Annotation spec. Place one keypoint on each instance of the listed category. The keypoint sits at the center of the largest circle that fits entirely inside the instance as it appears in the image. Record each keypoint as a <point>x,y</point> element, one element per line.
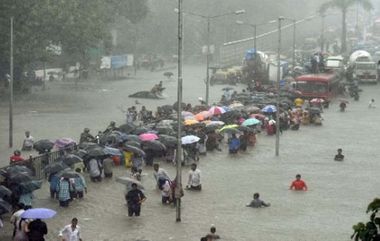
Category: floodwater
<point>338,191</point>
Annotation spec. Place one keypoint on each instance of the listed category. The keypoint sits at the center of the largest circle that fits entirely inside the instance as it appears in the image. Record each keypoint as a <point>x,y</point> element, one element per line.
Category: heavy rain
<point>212,108</point>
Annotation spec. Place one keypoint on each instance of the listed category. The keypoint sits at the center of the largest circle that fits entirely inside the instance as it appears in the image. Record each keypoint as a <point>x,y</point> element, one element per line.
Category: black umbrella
<point>81,153</point>
<point>127,128</point>
<point>211,128</point>
<point>166,130</point>
<point>30,186</point>
<point>175,105</point>
<point>134,149</point>
<point>133,143</point>
<point>19,177</point>
<point>5,192</point>
<point>245,128</point>
<point>133,138</point>
<point>43,145</point>
<point>168,141</point>
<point>87,145</point>
<point>140,130</point>
<point>153,145</point>
<point>71,159</point>
<point>167,108</point>
<point>18,169</point>
<point>230,116</point>
<point>69,174</point>
<point>55,167</point>
<point>96,152</point>
<point>5,207</point>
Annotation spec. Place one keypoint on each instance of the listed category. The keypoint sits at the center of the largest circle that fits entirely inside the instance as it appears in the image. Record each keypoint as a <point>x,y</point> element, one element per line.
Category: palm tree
<point>344,5</point>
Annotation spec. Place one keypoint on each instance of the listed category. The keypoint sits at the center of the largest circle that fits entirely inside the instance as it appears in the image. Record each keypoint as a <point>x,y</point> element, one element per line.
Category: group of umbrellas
<point>18,180</point>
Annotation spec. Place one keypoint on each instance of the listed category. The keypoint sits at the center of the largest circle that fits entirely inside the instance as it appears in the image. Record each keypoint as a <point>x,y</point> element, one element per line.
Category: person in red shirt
<point>298,184</point>
<point>16,157</point>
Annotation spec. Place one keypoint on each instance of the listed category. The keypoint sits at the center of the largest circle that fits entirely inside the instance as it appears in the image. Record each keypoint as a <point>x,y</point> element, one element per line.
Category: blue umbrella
<point>112,151</point>
<point>251,122</point>
<point>269,109</point>
<point>38,213</point>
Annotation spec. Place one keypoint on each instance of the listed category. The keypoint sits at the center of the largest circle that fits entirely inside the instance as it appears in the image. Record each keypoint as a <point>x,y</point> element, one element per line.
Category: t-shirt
<point>29,141</point>
<point>194,178</point>
<point>298,185</point>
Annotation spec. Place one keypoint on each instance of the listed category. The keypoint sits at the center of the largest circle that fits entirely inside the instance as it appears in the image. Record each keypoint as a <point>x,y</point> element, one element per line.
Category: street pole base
<point>178,220</point>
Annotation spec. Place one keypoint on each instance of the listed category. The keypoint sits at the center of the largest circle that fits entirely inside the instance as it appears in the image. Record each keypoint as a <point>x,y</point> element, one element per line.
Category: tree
<point>343,6</point>
<point>368,231</point>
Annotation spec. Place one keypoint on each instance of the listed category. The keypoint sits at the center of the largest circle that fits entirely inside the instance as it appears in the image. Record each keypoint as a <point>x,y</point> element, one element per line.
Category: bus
<point>324,86</point>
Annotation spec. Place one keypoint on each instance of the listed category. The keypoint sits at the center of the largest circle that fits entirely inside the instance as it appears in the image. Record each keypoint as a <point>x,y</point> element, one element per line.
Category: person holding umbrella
<point>134,198</point>
<point>37,229</point>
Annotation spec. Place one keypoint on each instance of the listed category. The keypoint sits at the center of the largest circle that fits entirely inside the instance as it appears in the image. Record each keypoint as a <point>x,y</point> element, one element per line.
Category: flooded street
<point>338,191</point>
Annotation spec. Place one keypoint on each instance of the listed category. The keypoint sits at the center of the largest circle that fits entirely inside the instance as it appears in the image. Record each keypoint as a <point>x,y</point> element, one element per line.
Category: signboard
<point>116,62</point>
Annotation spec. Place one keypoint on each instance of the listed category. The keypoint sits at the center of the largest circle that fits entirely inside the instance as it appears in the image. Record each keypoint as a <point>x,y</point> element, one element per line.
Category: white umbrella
<point>189,139</point>
<point>128,180</point>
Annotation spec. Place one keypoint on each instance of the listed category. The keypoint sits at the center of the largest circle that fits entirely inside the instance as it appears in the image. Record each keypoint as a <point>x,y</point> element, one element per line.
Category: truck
<point>362,68</point>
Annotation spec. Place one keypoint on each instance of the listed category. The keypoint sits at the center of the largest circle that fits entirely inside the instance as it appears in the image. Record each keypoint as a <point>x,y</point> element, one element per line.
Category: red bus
<point>323,86</point>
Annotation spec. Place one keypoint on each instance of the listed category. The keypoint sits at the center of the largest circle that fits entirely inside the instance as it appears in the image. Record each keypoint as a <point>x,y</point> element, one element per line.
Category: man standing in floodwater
<point>298,184</point>
<point>134,198</point>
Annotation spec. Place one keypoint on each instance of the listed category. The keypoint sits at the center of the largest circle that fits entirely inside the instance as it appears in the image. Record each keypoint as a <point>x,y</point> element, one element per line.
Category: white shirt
<point>69,234</point>
<point>165,192</point>
<point>29,141</point>
<point>161,174</point>
<point>194,178</point>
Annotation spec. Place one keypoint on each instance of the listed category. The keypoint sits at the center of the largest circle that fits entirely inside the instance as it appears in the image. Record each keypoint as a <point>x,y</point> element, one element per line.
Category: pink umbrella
<point>216,110</point>
<point>148,137</point>
<point>64,142</point>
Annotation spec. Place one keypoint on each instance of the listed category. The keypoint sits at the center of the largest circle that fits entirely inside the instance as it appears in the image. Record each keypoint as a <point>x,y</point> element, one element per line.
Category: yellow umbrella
<point>190,122</point>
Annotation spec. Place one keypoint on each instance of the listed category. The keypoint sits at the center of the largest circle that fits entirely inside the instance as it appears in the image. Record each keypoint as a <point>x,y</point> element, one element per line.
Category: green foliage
<point>75,25</point>
<point>368,231</point>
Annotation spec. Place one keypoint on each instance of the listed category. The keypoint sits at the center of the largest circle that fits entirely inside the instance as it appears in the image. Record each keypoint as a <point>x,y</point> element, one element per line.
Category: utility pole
<point>294,44</point>
<point>179,117</point>
<point>323,33</point>
<point>11,90</point>
<point>278,87</point>
<point>208,62</point>
<point>254,37</point>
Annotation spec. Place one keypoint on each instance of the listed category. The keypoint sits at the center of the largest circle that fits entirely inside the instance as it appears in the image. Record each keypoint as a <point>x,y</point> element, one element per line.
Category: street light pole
<point>11,90</point>
<point>208,62</point>
<point>179,116</point>
<point>294,44</point>
<point>254,37</point>
<point>323,33</point>
<point>278,87</point>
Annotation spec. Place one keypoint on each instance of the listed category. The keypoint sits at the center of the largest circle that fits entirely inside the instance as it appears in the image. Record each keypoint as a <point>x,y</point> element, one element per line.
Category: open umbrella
<point>43,145</point>
<point>128,180</point>
<point>166,130</point>
<point>216,110</point>
<point>18,169</point>
<point>229,129</point>
<point>140,130</point>
<point>96,152</point>
<point>153,145</point>
<point>68,173</point>
<point>133,138</point>
<point>252,108</point>
<point>112,151</point>
<point>269,109</point>
<point>185,114</point>
<point>251,122</point>
<point>5,207</point>
<point>127,128</point>
<point>214,123</point>
<point>19,177</point>
<point>5,192</point>
<point>317,101</point>
<point>168,141</point>
<point>258,116</point>
<point>230,116</point>
<point>30,186</point>
<point>55,167</point>
<point>190,122</point>
<point>38,213</point>
<point>189,139</point>
<point>87,145</point>
<point>133,143</point>
<point>236,106</point>
<point>246,129</point>
<point>134,149</point>
<point>148,137</point>
<point>71,159</point>
<point>63,143</point>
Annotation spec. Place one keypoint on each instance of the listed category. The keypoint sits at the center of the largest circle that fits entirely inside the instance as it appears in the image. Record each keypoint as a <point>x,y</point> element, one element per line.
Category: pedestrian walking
<point>71,232</point>
<point>107,167</point>
<point>79,185</point>
<point>371,104</point>
<point>134,198</point>
<point>160,173</point>
<point>212,235</point>
<point>63,189</point>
